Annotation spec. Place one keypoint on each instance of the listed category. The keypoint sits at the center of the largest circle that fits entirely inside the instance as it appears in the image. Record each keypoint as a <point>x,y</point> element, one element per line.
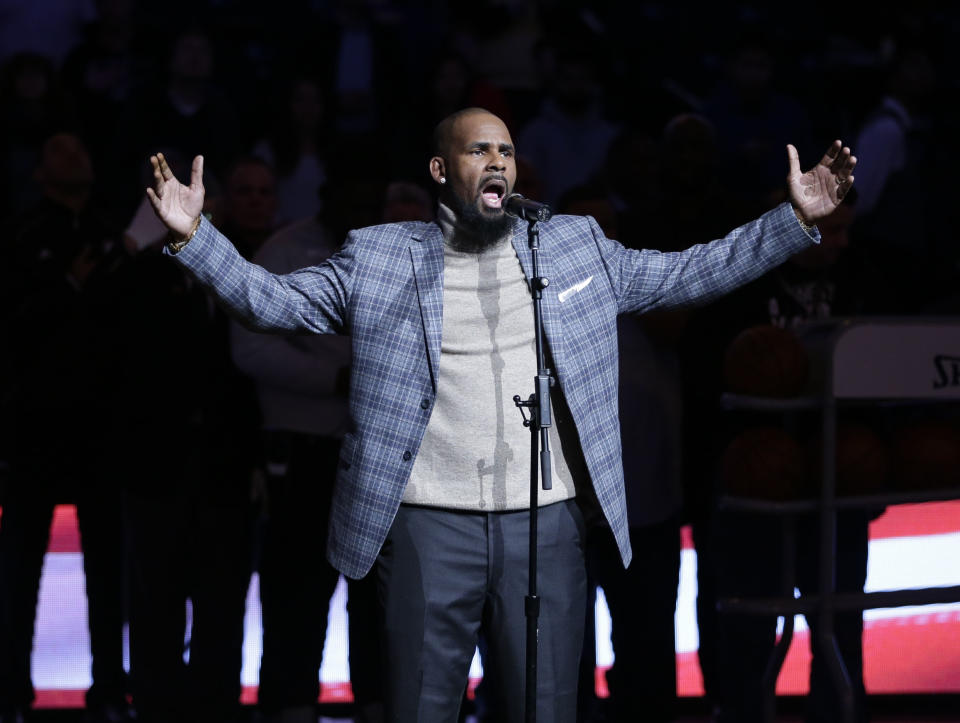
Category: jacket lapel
<point>551,308</point>
<point>426,252</point>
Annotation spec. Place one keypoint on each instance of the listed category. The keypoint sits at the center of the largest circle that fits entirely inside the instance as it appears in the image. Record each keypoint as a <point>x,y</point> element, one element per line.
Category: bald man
<point>433,483</point>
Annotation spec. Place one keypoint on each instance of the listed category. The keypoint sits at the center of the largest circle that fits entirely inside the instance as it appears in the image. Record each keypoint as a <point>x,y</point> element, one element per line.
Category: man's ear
<point>437,169</point>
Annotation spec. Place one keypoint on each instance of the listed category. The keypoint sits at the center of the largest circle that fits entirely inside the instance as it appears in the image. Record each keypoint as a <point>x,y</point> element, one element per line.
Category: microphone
<point>520,207</point>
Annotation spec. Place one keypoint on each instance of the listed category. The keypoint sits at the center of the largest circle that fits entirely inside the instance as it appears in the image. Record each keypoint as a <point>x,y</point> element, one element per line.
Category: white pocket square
<point>579,286</point>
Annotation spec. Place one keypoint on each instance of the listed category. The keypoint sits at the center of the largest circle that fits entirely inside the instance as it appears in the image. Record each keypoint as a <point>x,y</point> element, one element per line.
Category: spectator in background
<point>56,424</point>
<point>67,218</point>
<point>452,84</point>
<point>295,148</point>
<point>302,383</point>
<point>406,201</point>
<point>187,501</point>
<point>642,598</point>
<point>693,202</point>
<point>570,117</point>
<point>361,60</point>
<point>902,223</point>
<point>890,129</point>
<point>357,198</point>
<point>632,174</point>
<point>187,111</point>
<point>528,181</point>
<point>504,52</point>
<point>102,74</point>
<point>740,554</point>
<point>248,205</point>
<point>682,200</point>
<point>754,119</point>
<point>32,108</point>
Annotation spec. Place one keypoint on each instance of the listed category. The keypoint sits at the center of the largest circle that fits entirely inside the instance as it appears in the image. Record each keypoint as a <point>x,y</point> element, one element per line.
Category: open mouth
<point>492,192</point>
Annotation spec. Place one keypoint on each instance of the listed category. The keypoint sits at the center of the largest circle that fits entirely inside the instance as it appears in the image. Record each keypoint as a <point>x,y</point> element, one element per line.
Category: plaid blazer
<point>385,289</point>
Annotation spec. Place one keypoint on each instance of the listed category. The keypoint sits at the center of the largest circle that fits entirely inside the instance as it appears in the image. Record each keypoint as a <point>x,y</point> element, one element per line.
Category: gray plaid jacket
<point>385,289</point>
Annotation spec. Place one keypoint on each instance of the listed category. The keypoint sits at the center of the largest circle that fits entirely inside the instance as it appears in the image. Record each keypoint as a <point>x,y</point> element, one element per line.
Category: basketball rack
<point>872,361</point>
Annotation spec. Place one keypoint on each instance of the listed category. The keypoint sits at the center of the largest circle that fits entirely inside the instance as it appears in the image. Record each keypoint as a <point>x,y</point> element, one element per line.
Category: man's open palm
<point>178,206</point>
<point>816,193</point>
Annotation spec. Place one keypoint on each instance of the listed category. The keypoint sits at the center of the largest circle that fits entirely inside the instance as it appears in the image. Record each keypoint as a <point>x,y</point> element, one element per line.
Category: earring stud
<point>443,179</point>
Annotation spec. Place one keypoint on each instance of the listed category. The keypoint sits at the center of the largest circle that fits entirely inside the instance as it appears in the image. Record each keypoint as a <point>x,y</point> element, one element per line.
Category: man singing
<point>433,481</point>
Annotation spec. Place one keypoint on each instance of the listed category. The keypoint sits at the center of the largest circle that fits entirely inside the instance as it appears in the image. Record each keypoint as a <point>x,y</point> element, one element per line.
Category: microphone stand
<point>539,423</point>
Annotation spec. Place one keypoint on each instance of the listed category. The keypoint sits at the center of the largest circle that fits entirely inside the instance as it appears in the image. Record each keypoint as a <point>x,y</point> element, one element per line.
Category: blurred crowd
<point>198,452</point>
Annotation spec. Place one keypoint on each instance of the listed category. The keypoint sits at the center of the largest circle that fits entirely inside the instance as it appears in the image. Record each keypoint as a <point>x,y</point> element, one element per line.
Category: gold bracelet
<point>178,245</point>
<point>803,224</point>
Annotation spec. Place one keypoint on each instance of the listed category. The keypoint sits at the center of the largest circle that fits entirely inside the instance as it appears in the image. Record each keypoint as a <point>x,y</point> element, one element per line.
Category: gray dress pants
<point>445,575</point>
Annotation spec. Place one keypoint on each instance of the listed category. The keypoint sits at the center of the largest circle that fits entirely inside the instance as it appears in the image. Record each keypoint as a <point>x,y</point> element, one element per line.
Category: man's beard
<point>477,231</point>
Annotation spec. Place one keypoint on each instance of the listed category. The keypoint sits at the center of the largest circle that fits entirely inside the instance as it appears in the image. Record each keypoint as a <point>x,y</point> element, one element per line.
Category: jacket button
<point>407,456</point>
<point>424,404</point>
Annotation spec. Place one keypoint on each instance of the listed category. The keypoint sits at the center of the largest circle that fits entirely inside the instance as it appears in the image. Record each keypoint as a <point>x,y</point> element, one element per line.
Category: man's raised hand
<point>820,190</point>
<point>178,206</point>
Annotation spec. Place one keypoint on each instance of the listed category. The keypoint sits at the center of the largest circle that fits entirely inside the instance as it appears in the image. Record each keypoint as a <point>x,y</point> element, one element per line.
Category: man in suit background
<point>433,475</point>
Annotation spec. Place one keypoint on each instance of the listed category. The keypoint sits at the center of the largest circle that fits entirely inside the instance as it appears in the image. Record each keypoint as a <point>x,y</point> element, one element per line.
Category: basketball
<point>765,361</point>
<point>764,463</point>
<point>862,461</point>
<point>927,456</point>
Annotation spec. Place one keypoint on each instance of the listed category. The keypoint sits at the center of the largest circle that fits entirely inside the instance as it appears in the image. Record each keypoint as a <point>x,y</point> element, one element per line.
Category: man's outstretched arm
<point>647,280</point>
<point>312,299</point>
